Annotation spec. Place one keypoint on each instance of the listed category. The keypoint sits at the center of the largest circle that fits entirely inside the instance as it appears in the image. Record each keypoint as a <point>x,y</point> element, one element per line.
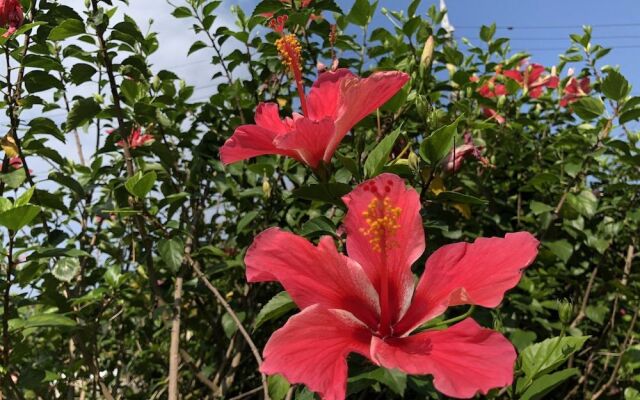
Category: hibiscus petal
<point>312,275</point>
<point>359,97</point>
<point>309,139</point>
<point>251,141</point>
<point>268,117</point>
<point>469,273</point>
<point>255,140</point>
<point>513,74</point>
<point>312,347</point>
<point>395,244</point>
<point>463,359</point>
<point>324,97</point>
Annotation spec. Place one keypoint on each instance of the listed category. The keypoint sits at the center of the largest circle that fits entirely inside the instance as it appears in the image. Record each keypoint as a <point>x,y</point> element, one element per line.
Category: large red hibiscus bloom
<point>336,102</point>
<point>368,303</point>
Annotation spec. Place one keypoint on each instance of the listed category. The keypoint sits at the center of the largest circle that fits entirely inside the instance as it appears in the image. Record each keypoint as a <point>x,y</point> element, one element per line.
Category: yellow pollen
<point>289,48</point>
<point>382,221</point>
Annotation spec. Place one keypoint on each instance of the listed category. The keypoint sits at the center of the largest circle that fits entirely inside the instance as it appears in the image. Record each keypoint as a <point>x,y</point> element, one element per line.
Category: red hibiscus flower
<point>531,79</point>
<point>136,138</point>
<point>368,303</point>
<point>454,159</point>
<point>11,16</point>
<point>490,89</point>
<point>336,102</point>
<point>574,90</point>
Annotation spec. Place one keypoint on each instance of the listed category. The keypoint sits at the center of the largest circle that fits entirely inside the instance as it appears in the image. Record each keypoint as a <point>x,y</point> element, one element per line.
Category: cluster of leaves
<point>104,256</point>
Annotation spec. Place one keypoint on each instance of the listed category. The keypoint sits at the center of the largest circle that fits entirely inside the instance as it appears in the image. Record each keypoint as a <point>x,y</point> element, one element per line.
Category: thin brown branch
<point>585,299</point>
<point>174,356</point>
<point>254,349</point>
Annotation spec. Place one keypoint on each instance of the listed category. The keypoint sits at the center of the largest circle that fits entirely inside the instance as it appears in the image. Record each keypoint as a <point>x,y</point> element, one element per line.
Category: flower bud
<point>266,186</point>
<point>427,53</point>
<point>414,162</point>
<point>565,311</point>
<point>11,16</point>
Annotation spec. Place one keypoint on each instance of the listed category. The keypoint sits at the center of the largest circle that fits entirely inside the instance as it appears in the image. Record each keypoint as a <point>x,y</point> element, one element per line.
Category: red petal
<point>312,347</point>
<point>268,117</point>
<point>310,140</point>
<point>534,72</point>
<point>324,96</point>
<point>359,97</point>
<point>398,247</point>
<point>469,273</point>
<point>312,275</point>
<point>463,359</point>
<point>513,74</point>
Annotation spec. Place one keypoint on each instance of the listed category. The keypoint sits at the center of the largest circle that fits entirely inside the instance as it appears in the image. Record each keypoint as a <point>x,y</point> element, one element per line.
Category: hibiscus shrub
<point>356,211</point>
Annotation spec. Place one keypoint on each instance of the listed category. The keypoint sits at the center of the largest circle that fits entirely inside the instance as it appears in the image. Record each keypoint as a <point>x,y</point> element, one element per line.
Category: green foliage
<point>99,246</point>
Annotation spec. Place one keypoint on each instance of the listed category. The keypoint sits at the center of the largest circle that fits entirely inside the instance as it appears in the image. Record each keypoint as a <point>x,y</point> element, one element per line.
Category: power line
<point>536,27</point>
<point>567,38</point>
<point>564,48</point>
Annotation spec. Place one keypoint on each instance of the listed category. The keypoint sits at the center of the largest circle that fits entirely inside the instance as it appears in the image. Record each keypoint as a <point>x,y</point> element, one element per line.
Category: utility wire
<point>537,27</point>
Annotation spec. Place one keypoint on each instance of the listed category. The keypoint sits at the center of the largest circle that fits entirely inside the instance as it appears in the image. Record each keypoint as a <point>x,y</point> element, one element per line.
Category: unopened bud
<point>414,162</point>
<point>155,82</point>
<point>427,53</point>
<point>266,186</point>
<point>98,98</point>
<point>565,311</point>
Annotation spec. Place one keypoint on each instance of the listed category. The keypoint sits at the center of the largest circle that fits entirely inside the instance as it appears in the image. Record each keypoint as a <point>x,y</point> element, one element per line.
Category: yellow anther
<point>382,223</point>
<point>289,48</point>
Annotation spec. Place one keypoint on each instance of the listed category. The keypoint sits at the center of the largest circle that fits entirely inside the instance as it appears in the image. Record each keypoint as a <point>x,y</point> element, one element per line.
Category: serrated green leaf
<point>615,86</point>
<point>82,111</point>
<point>278,386</point>
<point>545,356</point>
<point>140,185</point>
<point>172,252</point>
<point>588,108</point>
<point>66,268</point>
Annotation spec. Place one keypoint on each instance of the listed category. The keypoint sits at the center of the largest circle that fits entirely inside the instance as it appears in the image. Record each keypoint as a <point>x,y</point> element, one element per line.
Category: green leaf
<point>66,29</point>
<point>393,379</point>
<point>279,305</point>
<point>181,12</point>
<point>14,179</point>
<point>172,252</point>
<point>318,226</point>
<point>140,185</point>
<point>378,156</point>
<point>198,45</point>
<point>39,81</point>
<point>360,13</point>
<point>630,115</point>
<point>229,326</point>
<point>487,32</point>
<point>326,192</point>
<point>585,203</point>
<point>66,268</point>
<point>546,383</point>
<point>456,197</point>
<point>82,111</point>
<point>588,108</point>
<point>16,218</point>
<point>615,86</point>
<point>278,386</point>
<point>435,147</point>
<point>246,220</point>
<point>631,394</point>
<point>25,197</point>
<point>539,208</point>
<point>41,320</point>
<point>561,248</point>
<point>545,356</point>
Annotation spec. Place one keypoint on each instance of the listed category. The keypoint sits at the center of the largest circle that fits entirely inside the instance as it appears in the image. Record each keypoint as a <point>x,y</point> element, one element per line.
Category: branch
<point>254,349</point>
